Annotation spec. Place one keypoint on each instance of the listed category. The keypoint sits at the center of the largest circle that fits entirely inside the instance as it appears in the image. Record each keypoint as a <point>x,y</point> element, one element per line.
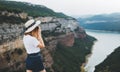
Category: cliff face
<point>55,31</point>
<point>9,32</point>
<point>67,40</point>
<point>12,53</point>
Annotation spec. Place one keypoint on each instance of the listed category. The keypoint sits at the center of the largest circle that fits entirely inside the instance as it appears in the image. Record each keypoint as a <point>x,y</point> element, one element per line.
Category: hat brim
<point>33,27</point>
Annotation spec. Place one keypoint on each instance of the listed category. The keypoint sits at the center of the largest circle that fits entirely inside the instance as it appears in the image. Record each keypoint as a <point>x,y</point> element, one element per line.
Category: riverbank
<point>111,63</point>
<point>82,67</point>
<point>107,42</point>
<point>86,61</point>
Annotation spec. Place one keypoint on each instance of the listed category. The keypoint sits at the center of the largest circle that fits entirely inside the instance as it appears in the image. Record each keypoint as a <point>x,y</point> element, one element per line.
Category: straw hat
<point>31,25</point>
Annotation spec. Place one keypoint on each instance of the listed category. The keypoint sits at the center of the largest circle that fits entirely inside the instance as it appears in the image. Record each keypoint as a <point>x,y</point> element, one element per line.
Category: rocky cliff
<point>55,31</point>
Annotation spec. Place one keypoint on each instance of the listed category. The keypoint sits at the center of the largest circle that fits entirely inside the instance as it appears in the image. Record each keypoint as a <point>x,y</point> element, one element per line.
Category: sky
<point>80,7</point>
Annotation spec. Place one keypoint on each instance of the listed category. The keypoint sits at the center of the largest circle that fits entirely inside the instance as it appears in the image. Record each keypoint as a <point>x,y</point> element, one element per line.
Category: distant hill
<point>109,22</point>
<point>31,9</point>
<point>111,63</point>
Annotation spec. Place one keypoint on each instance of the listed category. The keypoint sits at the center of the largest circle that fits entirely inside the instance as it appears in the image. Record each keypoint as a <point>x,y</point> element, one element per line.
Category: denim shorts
<point>34,62</point>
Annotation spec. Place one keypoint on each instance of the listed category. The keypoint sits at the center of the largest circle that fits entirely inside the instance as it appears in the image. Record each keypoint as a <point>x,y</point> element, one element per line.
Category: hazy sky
<point>80,7</point>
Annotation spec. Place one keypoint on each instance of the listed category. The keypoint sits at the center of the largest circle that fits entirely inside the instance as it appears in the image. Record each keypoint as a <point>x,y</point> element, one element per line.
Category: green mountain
<point>111,63</point>
<point>109,22</point>
<point>31,9</point>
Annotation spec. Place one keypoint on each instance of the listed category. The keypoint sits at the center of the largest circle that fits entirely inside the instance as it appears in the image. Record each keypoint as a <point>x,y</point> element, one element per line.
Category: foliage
<point>19,51</point>
<point>11,19</point>
<point>69,59</point>
<point>51,33</point>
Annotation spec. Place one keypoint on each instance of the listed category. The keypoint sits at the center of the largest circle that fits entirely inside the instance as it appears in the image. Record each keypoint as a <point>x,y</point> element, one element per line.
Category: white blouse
<point>31,44</point>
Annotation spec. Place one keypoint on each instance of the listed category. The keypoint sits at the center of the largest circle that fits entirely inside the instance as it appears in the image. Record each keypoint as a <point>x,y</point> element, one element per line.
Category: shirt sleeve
<point>35,42</point>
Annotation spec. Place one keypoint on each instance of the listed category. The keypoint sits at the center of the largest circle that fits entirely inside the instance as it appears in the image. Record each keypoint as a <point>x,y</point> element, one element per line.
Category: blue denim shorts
<point>34,62</point>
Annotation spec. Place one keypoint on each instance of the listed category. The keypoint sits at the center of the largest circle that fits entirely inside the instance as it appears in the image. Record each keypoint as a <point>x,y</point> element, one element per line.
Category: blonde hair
<point>34,32</point>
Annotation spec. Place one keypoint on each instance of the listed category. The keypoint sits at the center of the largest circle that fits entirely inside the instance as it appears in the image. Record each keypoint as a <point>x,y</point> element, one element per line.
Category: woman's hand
<point>41,45</point>
<point>37,34</point>
<point>39,30</point>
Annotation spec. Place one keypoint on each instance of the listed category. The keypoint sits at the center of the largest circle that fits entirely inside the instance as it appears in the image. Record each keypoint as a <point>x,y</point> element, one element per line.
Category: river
<point>105,44</point>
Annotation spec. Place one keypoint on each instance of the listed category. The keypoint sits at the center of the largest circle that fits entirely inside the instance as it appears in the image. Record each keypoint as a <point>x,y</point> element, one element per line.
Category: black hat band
<point>30,25</point>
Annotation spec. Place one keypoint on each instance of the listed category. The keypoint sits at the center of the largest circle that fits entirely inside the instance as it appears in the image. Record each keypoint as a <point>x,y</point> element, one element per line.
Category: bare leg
<point>28,70</point>
<point>43,70</point>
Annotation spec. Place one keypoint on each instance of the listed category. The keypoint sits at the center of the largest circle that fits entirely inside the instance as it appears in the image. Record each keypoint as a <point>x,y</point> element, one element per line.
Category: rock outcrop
<point>22,15</point>
<point>9,32</point>
<point>67,40</point>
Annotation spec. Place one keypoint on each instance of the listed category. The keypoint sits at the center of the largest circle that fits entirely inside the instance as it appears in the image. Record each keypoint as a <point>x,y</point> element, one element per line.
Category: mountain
<point>111,63</point>
<point>108,22</point>
<point>31,9</point>
<point>67,44</point>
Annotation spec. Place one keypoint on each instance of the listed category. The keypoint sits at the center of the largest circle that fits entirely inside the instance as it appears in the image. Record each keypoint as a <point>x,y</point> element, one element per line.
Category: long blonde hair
<point>34,32</point>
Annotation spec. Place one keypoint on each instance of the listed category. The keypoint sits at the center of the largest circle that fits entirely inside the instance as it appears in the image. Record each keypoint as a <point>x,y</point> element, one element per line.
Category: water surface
<point>107,42</point>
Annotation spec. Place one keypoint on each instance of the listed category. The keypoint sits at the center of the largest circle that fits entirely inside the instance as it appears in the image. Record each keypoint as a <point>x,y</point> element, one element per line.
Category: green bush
<point>19,51</point>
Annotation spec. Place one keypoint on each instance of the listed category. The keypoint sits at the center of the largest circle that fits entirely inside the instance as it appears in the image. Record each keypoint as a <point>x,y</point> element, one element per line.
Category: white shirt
<point>31,44</point>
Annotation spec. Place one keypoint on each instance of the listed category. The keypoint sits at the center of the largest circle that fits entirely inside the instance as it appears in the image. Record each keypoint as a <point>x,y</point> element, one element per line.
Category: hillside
<point>108,22</point>
<point>69,59</point>
<point>111,63</point>
<point>31,9</point>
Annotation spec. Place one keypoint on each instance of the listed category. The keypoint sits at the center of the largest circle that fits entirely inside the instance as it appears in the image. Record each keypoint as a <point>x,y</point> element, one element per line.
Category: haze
<point>79,7</point>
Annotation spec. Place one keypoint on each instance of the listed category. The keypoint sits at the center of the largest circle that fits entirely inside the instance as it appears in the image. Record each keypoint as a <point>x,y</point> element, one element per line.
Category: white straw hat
<point>31,24</point>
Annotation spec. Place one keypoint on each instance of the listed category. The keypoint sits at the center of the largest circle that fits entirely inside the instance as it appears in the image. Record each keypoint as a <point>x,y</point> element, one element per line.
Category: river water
<point>107,42</point>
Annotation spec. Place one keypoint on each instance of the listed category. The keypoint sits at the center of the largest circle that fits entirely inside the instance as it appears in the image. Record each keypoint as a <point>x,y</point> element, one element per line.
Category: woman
<point>33,42</point>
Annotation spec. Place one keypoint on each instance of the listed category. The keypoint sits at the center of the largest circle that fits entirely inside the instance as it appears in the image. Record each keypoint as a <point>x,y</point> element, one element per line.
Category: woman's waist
<point>34,54</point>
<point>32,50</point>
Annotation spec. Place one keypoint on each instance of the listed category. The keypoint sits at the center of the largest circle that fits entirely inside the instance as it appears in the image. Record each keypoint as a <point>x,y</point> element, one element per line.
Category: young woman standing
<point>33,42</point>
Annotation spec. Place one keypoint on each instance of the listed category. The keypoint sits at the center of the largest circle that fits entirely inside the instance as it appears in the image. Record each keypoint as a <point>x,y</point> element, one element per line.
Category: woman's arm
<point>41,45</point>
